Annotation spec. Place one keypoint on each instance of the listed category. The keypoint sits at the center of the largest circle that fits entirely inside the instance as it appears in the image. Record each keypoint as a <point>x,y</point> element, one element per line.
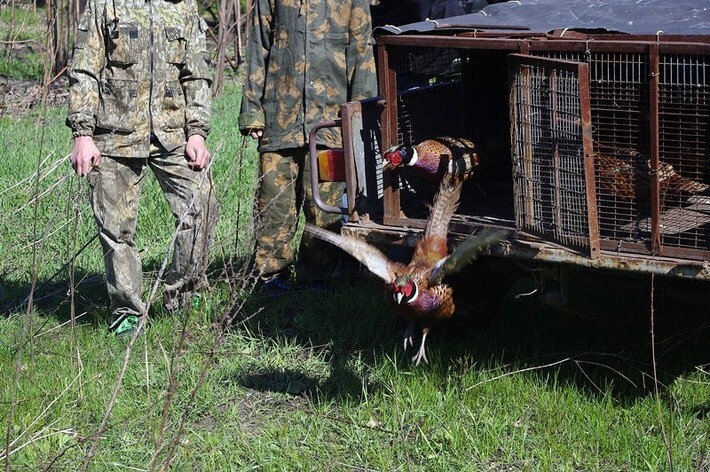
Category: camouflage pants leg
<point>277,210</point>
<point>191,197</point>
<point>285,188</point>
<point>114,191</point>
<point>318,259</point>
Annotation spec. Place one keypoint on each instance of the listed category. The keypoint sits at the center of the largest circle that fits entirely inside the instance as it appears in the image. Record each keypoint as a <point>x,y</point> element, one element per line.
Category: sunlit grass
<point>312,380</point>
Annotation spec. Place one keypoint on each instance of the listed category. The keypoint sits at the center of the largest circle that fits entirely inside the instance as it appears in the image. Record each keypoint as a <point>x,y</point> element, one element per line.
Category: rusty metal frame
<point>388,89</point>
<point>525,43</point>
<point>352,117</point>
<point>347,112</point>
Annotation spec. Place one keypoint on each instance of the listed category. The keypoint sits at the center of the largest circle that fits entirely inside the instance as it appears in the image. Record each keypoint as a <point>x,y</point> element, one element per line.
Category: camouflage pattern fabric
<point>319,57</point>
<point>139,67</point>
<point>305,58</point>
<point>115,192</point>
<point>285,189</point>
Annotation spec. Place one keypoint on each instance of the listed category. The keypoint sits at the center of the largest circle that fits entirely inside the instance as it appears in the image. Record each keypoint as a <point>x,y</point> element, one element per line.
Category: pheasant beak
<point>398,298</point>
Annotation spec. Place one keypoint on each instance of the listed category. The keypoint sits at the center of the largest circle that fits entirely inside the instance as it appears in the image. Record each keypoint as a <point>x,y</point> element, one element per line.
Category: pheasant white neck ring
<point>415,157</point>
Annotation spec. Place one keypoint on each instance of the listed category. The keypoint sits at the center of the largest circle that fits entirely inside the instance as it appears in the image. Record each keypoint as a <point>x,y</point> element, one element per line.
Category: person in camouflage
<point>304,59</point>
<point>140,97</point>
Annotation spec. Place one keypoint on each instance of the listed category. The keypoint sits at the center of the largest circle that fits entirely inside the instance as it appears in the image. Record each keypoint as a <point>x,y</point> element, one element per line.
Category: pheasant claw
<point>409,336</point>
<point>421,354</point>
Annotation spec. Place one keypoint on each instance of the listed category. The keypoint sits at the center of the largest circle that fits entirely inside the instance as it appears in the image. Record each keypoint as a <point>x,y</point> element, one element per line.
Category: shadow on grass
<point>607,353</point>
<point>523,336</point>
<point>505,333</point>
<point>340,321</point>
<point>51,296</point>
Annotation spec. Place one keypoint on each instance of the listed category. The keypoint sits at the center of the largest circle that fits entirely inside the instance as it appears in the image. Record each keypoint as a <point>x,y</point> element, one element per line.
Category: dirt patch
<point>18,97</point>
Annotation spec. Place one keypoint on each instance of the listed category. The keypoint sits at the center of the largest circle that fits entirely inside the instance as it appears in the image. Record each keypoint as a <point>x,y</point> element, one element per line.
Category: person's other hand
<point>84,155</point>
<point>256,133</point>
<point>197,154</point>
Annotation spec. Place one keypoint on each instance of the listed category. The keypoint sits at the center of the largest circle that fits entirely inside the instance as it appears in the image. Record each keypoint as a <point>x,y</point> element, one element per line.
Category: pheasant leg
<point>422,353</point>
<point>409,336</point>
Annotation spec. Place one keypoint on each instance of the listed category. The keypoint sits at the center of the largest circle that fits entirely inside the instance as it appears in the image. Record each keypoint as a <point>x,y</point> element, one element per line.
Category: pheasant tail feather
<point>445,203</point>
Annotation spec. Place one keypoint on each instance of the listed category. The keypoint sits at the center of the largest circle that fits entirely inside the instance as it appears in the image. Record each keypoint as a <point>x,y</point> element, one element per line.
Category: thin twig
<point>508,374</point>
<point>400,427</point>
<point>23,182</point>
<point>39,435</point>
<point>71,321</point>
<point>142,323</point>
<point>224,323</point>
<point>6,454</point>
<point>27,320</point>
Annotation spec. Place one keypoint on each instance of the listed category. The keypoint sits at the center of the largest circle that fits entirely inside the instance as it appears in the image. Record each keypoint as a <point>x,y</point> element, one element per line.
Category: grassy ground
<point>312,380</point>
<point>23,37</point>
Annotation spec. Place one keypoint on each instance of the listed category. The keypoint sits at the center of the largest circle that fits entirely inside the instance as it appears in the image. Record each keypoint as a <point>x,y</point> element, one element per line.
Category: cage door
<point>551,138</point>
<point>363,168</point>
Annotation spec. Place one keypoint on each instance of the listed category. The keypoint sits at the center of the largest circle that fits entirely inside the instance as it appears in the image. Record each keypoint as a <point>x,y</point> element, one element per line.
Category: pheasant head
<point>400,155</point>
<point>404,290</point>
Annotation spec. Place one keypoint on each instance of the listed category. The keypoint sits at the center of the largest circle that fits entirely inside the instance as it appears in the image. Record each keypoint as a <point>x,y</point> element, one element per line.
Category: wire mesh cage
<point>548,139</point>
<point>684,146</point>
<point>609,140</point>
<point>620,85</point>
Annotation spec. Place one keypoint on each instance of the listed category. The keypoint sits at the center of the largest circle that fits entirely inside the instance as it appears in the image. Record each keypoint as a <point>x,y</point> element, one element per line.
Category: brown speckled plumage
<point>434,158</point>
<point>629,178</point>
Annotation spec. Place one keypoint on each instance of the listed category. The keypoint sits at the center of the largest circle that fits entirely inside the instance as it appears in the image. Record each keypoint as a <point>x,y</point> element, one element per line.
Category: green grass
<point>23,32</point>
<point>28,68</point>
<point>314,380</point>
<point>22,23</point>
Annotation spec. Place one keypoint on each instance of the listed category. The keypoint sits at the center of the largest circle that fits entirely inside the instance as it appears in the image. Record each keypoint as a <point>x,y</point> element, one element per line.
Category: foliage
<point>313,379</point>
<point>22,24</point>
<point>23,32</point>
<point>28,68</point>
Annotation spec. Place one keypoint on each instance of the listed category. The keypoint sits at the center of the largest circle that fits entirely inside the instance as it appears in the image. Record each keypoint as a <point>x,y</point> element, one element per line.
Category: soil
<point>17,97</point>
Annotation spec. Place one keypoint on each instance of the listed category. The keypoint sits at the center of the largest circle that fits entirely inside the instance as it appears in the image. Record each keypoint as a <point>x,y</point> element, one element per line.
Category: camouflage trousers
<point>285,190</point>
<point>114,191</point>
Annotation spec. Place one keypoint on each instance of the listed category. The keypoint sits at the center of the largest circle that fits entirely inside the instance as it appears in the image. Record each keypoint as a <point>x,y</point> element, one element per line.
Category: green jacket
<point>305,58</point>
<point>139,67</point>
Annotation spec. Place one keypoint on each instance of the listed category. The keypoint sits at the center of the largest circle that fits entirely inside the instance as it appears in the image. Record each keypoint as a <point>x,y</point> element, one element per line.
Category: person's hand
<point>84,155</point>
<point>197,154</point>
<point>256,133</point>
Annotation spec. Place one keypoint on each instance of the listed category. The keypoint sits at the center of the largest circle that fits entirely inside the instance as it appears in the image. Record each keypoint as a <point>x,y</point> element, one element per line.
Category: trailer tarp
<point>638,17</point>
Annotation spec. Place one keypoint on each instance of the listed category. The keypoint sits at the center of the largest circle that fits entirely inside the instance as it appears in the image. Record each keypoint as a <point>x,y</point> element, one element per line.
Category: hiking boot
<point>124,325</point>
<point>183,296</point>
<point>273,285</point>
<point>320,277</point>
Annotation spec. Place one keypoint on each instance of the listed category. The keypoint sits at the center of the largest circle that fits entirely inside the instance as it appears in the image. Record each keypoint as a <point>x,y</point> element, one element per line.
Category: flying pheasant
<point>416,291</point>
<point>433,158</point>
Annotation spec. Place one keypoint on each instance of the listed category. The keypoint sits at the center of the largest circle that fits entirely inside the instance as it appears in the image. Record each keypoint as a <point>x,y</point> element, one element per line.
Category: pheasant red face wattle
<point>394,158</point>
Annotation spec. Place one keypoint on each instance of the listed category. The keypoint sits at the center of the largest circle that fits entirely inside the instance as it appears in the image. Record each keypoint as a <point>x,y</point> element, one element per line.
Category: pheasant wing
<point>370,256</point>
<point>465,253</point>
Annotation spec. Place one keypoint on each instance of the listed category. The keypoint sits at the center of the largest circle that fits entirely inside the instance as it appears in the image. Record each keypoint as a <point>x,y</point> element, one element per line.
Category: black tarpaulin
<point>639,17</point>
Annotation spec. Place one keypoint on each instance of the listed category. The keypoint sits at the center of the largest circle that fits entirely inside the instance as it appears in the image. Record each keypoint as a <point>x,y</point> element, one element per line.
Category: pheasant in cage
<point>434,158</point>
<point>630,178</point>
<point>417,291</point>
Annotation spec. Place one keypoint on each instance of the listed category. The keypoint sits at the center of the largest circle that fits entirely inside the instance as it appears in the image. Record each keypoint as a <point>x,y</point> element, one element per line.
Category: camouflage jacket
<point>305,58</point>
<point>139,67</point>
